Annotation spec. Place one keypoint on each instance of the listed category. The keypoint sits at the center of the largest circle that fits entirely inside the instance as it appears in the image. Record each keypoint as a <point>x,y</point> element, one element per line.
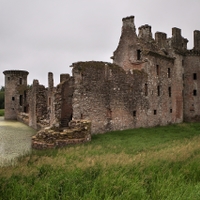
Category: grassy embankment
<point>156,163</point>
<point>1,112</point>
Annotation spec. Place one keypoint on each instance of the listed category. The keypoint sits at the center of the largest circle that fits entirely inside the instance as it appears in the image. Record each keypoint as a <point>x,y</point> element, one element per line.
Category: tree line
<point>2,90</point>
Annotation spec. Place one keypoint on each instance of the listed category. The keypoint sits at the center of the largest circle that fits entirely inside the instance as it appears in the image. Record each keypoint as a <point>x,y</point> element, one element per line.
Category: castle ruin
<point>152,81</point>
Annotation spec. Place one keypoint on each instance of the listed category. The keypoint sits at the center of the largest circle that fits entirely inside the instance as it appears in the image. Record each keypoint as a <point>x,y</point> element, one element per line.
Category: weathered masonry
<point>152,81</point>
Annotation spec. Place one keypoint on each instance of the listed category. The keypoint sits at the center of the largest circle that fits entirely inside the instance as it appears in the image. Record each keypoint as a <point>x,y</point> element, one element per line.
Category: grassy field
<point>156,163</point>
<point>1,112</point>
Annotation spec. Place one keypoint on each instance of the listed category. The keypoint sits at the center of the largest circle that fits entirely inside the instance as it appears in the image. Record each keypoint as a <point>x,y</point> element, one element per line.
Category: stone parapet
<point>79,131</point>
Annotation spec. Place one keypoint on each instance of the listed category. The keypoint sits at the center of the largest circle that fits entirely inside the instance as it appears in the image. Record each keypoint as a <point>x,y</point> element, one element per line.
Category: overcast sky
<point>43,36</point>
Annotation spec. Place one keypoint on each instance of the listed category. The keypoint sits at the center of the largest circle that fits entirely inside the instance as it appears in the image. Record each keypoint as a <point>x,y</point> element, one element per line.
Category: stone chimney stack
<point>161,39</point>
<point>197,40</point>
<point>145,32</point>
<point>50,81</point>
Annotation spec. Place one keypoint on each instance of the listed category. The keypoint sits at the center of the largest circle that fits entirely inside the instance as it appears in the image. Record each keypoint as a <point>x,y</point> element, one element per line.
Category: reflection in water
<point>15,140</point>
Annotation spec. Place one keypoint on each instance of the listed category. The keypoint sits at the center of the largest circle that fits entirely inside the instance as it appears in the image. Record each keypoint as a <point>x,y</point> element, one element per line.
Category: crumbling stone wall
<point>79,131</point>
<point>38,106</point>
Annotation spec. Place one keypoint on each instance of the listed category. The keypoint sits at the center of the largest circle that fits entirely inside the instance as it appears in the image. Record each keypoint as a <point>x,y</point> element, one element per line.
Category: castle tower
<point>15,92</point>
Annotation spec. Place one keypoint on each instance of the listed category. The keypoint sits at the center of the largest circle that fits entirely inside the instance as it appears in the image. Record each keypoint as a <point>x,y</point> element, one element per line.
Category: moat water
<point>15,141</point>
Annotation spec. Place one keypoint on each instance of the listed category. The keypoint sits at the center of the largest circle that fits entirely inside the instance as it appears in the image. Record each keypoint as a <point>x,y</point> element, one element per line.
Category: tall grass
<point>156,163</point>
<point>1,112</point>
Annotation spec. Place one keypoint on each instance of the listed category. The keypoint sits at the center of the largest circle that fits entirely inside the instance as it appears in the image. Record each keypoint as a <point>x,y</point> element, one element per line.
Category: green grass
<point>1,112</point>
<point>156,163</point>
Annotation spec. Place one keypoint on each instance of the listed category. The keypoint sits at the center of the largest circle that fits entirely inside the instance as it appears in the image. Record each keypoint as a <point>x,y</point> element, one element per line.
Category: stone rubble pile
<point>79,131</point>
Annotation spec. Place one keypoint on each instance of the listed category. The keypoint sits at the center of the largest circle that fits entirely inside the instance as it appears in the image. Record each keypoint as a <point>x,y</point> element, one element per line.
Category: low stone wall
<point>79,131</point>
<point>23,117</point>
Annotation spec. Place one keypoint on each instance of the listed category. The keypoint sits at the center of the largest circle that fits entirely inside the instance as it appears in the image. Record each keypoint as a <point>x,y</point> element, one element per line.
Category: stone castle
<point>152,81</point>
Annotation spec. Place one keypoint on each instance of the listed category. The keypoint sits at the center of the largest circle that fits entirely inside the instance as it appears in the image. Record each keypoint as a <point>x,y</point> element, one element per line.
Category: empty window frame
<point>13,98</point>
<point>169,73</point>
<point>138,54</point>
<point>49,101</point>
<point>134,113</point>
<point>170,110</point>
<point>158,90</point>
<point>194,92</point>
<point>194,76</point>
<point>157,70</point>
<point>169,91</point>
<point>146,89</point>
<point>20,100</point>
<point>20,81</point>
<point>155,112</point>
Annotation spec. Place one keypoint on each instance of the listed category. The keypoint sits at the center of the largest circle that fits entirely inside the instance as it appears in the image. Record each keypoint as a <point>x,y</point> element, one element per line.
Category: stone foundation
<point>79,131</point>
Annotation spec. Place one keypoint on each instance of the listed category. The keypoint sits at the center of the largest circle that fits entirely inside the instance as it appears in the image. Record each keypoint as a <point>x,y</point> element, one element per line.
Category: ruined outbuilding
<point>152,81</point>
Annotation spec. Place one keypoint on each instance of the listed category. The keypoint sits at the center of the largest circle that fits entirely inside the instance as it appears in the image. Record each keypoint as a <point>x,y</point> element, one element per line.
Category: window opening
<point>158,90</point>
<point>170,110</point>
<point>155,112</point>
<point>134,113</point>
<point>169,91</point>
<point>169,73</point>
<point>8,78</point>
<point>194,92</point>
<point>194,76</point>
<point>13,98</point>
<point>146,89</point>
<point>20,81</point>
<point>138,54</point>
<point>49,101</point>
<point>20,100</point>
<point>157,70</point>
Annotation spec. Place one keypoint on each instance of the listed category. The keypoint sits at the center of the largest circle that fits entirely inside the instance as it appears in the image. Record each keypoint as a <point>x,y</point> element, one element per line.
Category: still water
<point>15,140</point>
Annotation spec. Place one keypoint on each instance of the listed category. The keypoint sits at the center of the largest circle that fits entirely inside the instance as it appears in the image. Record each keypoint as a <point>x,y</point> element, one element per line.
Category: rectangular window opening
<point>158,90</point>
<point>155,112</point>
<point>13,98</point>
<point>8,78</point>
<point>20,81</point>
<point>20,100</point>
<point>169,73</point>
<point>138,54</point>
<point>134,113</point>
<point>194,76</point>
<point>169,91</point>
<point>170,110</point>
<point>157,70</point>
<point>194,92</point>
<point>49,101</point>
<point>146,89</point>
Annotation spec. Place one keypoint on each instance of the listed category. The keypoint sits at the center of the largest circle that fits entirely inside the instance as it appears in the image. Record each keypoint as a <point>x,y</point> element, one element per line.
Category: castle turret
<point>15,92</point>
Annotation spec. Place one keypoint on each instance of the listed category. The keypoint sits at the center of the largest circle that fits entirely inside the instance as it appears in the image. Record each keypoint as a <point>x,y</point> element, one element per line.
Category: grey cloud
<point>48,35</point>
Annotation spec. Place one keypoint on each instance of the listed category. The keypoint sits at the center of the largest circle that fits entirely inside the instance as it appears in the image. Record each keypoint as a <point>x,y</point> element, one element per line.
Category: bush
<point>1,99</point>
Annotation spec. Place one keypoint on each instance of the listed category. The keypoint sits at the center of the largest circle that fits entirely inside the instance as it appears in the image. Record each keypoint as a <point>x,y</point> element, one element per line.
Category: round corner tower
<point>15,92</point>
